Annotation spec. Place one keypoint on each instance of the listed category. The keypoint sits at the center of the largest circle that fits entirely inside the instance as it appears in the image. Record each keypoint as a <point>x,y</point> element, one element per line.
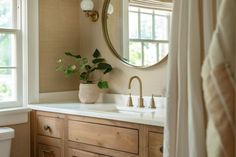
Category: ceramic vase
<point>88,93</point>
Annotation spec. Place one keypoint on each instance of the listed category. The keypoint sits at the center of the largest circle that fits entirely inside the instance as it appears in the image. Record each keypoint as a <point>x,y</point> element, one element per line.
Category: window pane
<point>133,25</point>
<point>161,28</point>
<point>7,85</point>
<point>7,50</point>
<point>7,14</point>
<point>150,54</point>
<point>135,53</point>
<point>146,26</point>
<point>163,50</point>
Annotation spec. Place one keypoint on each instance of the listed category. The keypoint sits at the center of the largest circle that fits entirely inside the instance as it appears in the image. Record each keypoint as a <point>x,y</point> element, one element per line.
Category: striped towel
<point>219,99</point>
<point>219,84</point>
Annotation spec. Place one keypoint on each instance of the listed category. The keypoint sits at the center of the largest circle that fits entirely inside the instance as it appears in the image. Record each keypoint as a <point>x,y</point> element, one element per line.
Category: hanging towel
<point>219,84</point>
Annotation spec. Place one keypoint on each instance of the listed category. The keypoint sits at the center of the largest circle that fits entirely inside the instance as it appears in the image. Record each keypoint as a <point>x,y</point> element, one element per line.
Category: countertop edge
<point>101,115</point>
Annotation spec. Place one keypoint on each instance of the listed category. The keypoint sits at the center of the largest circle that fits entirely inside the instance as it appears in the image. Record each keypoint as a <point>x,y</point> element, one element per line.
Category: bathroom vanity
<point>74,130</point>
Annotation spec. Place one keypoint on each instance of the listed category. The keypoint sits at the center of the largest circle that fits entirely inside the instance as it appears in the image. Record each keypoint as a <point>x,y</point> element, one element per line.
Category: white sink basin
<point>108,107</point>
<point>135,109</point>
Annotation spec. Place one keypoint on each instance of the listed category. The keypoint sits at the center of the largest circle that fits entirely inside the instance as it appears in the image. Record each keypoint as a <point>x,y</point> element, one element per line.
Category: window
<point>148,34</point>
<point>11,90</point>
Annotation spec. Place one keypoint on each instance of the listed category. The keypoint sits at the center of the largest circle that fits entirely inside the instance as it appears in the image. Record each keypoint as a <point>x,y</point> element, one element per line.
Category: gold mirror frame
<point>110,45</point>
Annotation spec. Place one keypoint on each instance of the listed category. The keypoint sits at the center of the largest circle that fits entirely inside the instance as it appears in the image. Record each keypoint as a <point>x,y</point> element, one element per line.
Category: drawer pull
<point>48,151</point>
<point>161,149</point>
<point>47,128</point>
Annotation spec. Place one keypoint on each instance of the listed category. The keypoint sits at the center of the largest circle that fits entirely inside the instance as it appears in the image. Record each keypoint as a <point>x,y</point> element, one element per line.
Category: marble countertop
<point>105,111</point>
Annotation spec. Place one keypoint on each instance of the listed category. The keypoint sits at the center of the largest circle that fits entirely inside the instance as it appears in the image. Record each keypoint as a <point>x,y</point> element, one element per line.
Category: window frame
<point>153,40</point>
<point>18,33</point>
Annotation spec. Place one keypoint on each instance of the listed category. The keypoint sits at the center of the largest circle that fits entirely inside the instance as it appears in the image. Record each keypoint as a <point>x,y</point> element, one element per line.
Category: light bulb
<point>86,5</point>
<point>110,9</point>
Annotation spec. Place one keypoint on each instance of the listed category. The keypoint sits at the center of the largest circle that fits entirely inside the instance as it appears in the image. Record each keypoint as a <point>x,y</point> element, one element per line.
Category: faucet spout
<point>140,89</point>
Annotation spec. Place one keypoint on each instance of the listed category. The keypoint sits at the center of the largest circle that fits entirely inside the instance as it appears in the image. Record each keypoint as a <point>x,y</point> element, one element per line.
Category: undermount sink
<point>135,109</point>
<point>107,107</point>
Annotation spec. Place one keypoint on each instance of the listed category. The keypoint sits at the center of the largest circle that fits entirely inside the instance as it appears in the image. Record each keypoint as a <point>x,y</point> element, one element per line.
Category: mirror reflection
<point>139,30</point>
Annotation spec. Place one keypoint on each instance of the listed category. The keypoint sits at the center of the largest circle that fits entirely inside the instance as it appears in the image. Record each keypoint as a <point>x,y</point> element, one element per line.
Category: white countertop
<point>104,111</point>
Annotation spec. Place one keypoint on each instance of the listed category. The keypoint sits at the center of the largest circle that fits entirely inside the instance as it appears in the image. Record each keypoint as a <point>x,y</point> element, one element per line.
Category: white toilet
<point>6,135</point>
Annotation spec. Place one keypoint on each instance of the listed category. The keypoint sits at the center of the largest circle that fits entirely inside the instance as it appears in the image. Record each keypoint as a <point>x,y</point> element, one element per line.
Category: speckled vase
<point>88,93</point>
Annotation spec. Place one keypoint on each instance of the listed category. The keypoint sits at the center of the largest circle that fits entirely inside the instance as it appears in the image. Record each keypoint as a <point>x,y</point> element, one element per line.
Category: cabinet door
<point>155,142</point>
<point>80,153</point>
<point>48,151</point>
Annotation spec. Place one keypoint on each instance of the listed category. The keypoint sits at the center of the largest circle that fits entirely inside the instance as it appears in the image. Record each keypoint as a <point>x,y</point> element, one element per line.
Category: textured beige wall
<point>21,142</point>
<point>59,32</point>
<point>90,38</point>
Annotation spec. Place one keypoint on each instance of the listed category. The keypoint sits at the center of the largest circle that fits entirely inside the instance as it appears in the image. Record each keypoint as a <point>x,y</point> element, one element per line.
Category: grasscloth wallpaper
<point>79,35</point>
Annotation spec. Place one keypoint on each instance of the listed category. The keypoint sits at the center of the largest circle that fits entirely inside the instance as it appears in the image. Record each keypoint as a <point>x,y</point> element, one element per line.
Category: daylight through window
<point>148,35</point>
<point>10,53</point>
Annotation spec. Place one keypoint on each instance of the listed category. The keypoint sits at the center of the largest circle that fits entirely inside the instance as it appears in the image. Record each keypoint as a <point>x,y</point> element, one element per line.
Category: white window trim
<point>14,116</point>
<point>19,115</point>
<point>19,59</point>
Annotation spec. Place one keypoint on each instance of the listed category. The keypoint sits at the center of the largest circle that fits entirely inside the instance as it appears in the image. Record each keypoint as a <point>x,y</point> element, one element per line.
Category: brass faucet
<point>140,92</point>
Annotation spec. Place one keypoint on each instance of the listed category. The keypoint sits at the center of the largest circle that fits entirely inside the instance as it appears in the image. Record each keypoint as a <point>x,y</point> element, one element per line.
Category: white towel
<point>219,84</point>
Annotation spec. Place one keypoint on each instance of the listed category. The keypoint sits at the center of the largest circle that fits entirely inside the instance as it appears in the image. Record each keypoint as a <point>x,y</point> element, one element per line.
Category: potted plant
<point>89,88</point>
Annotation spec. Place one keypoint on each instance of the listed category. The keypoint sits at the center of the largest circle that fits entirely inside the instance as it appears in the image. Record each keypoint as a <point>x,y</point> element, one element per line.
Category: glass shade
<point>86,5</point>
<point>110,9</point>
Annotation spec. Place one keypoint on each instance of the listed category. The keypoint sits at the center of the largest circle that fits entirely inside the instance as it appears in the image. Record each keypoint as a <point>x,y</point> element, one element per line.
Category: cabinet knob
<point>161,149</point>
<point>47,128</point>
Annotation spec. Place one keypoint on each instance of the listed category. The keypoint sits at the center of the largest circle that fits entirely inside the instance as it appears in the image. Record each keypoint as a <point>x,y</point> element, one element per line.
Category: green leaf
<point>83,76</point>
<point>68,72</point>
<point>103,84</point>
<point>88,67</point>
<point>70,54</point>
<point>96,54</point>
<point>98,60</point>
<point>108,70</point>
<point>83,63</point>
<point>104,66</point>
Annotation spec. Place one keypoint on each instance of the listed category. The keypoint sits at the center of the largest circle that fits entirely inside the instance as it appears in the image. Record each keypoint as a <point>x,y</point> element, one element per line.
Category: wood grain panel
<point>50,126</point>
<point>80,153</point>
<point>48,151</point>
<point>155,144</point>
<point>116,138</point>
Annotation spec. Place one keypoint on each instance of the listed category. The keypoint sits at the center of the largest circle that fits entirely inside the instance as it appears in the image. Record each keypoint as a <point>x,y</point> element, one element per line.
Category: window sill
<point>12,116</point>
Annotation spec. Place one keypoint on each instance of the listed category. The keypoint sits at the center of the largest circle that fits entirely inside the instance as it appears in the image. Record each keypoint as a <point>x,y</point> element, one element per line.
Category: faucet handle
<point>141,103</point>
<point>152,103</point>
<point>130,101</point>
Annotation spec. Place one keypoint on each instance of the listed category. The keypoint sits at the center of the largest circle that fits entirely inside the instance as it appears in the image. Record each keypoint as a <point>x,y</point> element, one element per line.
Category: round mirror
<point>137,31</point>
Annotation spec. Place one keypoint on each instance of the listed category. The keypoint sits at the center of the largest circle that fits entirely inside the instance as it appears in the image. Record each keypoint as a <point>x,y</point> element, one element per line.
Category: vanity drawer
<point>155,144</point>
<point>111,137</point>
<point>80,153</point>
<point>50,126</point>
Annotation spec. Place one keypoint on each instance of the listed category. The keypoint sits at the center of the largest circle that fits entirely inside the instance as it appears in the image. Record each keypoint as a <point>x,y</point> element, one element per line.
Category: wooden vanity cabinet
<point>48,151</point>
<point>47,134</point>
<point>155,144</point>
<point>80,153</point>
<point>59,135</point>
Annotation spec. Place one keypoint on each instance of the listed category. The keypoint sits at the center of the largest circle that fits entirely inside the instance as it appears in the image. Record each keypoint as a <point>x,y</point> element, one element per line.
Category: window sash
<point>153,4</point>
<point>17,31</point>
<point>153,40</point>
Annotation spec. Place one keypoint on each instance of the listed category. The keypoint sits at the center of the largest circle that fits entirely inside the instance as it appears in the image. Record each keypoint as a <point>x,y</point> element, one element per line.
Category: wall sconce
<point>110,9</point>
<point>87,6</point>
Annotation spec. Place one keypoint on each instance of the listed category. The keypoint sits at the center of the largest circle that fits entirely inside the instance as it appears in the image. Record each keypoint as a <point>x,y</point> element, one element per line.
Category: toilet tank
<point>6,135</point>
